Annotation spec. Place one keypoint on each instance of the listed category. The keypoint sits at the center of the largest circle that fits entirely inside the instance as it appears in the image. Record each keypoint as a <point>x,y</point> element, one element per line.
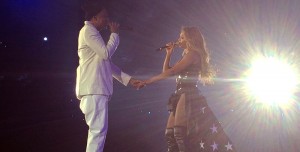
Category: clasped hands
<point>137,84</point>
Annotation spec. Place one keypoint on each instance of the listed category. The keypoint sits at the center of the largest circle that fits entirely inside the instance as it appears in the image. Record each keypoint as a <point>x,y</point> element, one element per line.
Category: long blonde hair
<point>196,42</point>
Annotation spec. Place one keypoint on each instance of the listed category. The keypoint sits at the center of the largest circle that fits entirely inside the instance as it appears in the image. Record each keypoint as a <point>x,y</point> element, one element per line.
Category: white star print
<point>214,129</point>
<point>214,146</point>
<point>228,146</point>
<point>203,109</point>
<point>202,144</point>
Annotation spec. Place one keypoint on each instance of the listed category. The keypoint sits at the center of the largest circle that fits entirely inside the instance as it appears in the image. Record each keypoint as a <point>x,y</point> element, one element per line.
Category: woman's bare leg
<point>180,116</point>
<point>171,121</point>
<point>180,125</point>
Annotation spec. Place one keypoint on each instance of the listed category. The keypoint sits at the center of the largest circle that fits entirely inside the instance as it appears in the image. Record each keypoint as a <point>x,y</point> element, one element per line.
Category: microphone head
<point>163,47</point>
<point>159,49</point>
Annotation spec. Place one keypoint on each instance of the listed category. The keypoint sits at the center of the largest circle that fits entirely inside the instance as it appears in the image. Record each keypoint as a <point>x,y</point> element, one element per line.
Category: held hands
<point>138,84</point>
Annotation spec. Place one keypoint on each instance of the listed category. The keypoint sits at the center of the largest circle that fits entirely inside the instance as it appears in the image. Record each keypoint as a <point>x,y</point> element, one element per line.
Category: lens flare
<point>271,81</point>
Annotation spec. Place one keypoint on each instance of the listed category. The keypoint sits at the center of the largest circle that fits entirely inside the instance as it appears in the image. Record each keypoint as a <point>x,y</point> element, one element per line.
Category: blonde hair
<point>195,42</point>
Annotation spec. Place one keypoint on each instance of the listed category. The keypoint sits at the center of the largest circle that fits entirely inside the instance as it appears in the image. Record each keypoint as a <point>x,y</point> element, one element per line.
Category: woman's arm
<point>187,60</point>
<point>169,51</point>
<point>166,65</point>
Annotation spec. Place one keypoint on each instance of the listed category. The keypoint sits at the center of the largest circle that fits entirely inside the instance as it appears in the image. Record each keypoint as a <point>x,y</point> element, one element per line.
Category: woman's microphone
<point>164,47</point>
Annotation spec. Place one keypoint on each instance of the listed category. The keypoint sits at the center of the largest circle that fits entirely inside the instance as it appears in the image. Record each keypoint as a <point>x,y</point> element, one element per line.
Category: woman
<point>191,126</point>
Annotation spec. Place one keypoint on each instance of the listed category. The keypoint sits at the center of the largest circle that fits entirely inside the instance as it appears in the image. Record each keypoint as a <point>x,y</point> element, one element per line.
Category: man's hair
<point>92,8</point>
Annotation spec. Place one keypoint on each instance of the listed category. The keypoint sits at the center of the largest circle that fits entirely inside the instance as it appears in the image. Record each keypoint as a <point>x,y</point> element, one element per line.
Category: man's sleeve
<point>94,40</point>
<point>113,43</point>
<point>119,75</point>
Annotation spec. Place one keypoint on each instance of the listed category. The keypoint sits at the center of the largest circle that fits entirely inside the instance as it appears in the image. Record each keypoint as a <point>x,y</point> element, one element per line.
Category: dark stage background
<point>40,113</point>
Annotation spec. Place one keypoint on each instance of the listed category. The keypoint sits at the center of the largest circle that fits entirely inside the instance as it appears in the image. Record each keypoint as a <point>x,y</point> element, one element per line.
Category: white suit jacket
<point>96,71</point>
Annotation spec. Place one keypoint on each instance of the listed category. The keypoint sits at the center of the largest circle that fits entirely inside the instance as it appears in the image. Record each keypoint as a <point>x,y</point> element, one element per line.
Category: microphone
<point>164,47</point>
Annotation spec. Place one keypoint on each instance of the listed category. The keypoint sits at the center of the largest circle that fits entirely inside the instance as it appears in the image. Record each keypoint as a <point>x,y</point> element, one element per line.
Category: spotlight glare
<point>271,81</point>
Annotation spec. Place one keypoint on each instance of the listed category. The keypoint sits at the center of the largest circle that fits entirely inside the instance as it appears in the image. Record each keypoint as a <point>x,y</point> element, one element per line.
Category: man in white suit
<point>95,73</point>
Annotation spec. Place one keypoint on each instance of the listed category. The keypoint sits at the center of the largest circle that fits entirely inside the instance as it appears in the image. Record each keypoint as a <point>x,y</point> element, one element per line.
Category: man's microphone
<point>164,47</point>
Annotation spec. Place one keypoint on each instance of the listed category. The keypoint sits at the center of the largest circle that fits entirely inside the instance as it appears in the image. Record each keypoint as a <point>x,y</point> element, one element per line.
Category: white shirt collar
<point>88,23</point>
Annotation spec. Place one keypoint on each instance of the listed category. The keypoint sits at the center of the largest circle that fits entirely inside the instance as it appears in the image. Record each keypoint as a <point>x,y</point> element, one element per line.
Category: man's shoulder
<point>88,28</point>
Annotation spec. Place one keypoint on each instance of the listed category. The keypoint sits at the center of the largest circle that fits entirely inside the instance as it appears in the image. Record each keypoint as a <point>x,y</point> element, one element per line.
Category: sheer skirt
<point>204,132</point>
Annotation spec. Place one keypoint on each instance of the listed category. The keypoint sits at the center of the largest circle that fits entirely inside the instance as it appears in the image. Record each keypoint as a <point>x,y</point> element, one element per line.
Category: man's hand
<point>137,84</point>
<point>114,27</point>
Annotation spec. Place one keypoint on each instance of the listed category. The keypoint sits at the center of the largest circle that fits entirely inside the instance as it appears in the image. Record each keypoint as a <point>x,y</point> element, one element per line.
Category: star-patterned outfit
<point>204,132</point>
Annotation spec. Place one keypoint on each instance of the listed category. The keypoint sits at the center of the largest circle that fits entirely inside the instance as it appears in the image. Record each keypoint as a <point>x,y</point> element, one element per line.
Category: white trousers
<point>95,109</point>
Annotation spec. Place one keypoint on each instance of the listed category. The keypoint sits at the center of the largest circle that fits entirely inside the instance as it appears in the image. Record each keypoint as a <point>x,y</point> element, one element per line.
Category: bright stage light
<point>271,81</point>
